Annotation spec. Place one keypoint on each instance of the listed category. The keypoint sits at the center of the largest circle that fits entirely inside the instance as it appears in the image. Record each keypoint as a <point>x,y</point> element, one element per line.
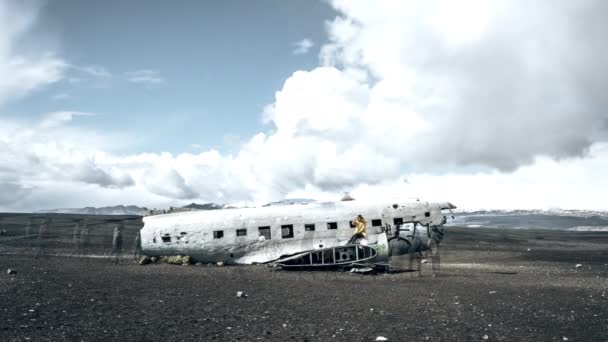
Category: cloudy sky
<point>497,104</point>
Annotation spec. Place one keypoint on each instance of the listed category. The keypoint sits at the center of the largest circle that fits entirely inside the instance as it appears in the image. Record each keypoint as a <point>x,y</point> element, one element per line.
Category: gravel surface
<point>494,285</point>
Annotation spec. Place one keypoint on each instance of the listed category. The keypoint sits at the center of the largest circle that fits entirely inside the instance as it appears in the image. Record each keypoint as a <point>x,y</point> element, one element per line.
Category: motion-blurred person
<point>433,252</point>
<point>28,228</point>
<point>84,238</point>
<point>137,246</point>
<point>117,243</point>
<point>40,243</point>
<point>76,240</point>
<point>27,234</point>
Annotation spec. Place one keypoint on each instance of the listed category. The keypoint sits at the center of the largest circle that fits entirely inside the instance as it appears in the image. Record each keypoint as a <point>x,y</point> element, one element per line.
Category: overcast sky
<point>486,104</point>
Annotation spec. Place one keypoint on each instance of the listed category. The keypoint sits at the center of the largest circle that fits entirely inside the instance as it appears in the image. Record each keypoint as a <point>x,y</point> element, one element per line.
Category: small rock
<point>11,271</point>
<point>492,292</point>
<point>424,261</point>
<point>381,338</point>
<point>485,337</point>
<point>241,294</point>
<point>199,264</point>
<point>578,265</point>
<point>564,338</point>
<point>144,260</point>
<point>220,263</point>
<point>528,249</point>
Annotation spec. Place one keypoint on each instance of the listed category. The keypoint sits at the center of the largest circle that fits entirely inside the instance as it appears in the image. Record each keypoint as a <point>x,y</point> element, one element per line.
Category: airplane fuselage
<point>259,235</point>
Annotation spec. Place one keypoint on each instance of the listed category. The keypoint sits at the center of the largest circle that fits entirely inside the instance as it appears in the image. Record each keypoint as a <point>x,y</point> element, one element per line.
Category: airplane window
<point>287,231</point>
<point>332,225</point>
<point>241,232</point>
<point>265,232</point>
<point>218,234</point>
<point>398,221</point>
<point>376,223</point>
<point>309,227</point>
<point>427,214</point>
<point>166,238</point>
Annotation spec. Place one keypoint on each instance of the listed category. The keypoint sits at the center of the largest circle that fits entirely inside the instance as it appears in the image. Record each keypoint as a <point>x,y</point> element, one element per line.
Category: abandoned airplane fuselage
<point>260,235</point>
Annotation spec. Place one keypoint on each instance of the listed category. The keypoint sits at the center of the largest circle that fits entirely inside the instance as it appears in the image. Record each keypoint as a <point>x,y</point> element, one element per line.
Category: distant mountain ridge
<point>576,220</point>
<point>131,209</point>
<point>114,210</point>
<point>289,201</point>
<point>558,212</point>
<point>206,206</point>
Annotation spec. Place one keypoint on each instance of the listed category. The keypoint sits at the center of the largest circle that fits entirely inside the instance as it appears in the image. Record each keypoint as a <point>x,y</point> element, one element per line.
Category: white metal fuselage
<point>235,235</point>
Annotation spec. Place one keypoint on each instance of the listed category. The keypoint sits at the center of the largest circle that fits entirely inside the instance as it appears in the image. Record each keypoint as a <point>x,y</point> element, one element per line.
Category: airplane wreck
<point>313,235</point>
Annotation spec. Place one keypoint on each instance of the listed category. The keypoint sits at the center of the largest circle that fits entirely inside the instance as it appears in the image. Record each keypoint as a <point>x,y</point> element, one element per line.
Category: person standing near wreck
<point>40,239</point>
<point>76,239</point>
<point>117,243</point>
<point>360,232</point>
<point>137,246</point>
<point>84,237</point>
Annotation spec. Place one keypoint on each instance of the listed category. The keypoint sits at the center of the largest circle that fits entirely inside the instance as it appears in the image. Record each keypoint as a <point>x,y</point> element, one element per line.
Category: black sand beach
<point>494,284</point>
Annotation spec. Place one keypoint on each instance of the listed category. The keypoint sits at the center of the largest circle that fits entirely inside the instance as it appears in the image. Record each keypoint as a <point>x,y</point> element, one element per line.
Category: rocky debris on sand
<point>241,294</point>
<point>154,259</point>
<point>578,265</point>
<point>485,337</point>
<point>381,338</point>
<point>178,260</point>
<point>11,271</point>
<point>424,261</point>
<point>144,260</point>
<point>220,263</point>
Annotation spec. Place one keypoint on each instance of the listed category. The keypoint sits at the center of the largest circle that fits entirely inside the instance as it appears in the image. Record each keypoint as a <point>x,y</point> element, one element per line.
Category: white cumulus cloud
<point>302,47</point>
<point>145,76</point>
<point>486,104</point>
<point>21,73</point>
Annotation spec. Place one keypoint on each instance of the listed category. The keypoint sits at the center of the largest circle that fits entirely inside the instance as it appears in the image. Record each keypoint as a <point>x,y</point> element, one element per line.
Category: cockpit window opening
<point>218,234</point>
<point>166,238</point>
<point>332,225</point>
<point>241,232</point>
<point>427,214</point>
<point>287,231</point>
<point>376,223</point>
<point>398,221</point>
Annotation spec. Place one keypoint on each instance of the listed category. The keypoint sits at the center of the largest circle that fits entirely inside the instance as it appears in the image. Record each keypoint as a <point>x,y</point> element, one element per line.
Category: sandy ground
<point>495,285</point>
